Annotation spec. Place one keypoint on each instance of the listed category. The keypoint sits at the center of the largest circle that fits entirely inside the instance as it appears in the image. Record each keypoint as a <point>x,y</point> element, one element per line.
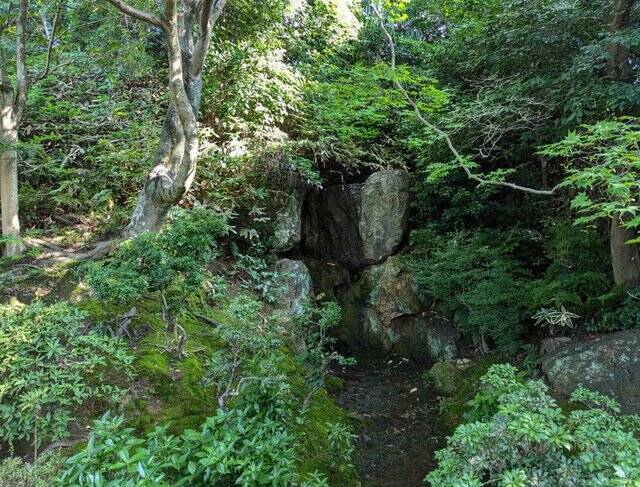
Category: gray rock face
<point>609,364</point>
<point>330,228</point>
<point>384,211</point>
<point>298,289</point>
<point>287,220</point>
<point>384,312</point>
<point>358,224</point>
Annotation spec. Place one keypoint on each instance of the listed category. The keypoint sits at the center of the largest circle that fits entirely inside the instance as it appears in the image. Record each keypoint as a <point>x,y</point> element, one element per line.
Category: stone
<point>298,289</point>
<point>384,213</point>
<point>330,230</point>
<point>287,219</point>
<point>552,344</point>
<point>358,224</point>
<point>384,312</point>
<point>445,378</point>
<point>609,364</point>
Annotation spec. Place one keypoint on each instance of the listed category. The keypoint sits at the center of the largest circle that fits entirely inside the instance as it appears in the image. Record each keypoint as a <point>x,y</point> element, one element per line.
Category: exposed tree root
<point>59,255</point>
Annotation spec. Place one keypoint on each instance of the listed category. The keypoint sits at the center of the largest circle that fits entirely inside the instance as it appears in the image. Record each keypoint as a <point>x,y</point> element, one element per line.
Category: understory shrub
<point>256,436</point>
<point>473,280</point>
<point>153,261</point>
<point>15,472</point>
<point>492,284</point>
<point>51,364</point>
<point>240,446</point>
<point>520,437</point>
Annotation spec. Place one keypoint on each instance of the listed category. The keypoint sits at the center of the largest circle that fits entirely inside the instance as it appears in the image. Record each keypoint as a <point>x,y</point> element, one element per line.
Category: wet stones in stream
<point>396,420</point>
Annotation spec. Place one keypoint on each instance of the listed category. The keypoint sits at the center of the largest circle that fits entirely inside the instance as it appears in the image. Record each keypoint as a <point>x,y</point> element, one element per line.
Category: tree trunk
<point>619,53</point>
<point>175,162</point>
<point>625,258</point>
<point>9,194</point>
<point>172,175</point>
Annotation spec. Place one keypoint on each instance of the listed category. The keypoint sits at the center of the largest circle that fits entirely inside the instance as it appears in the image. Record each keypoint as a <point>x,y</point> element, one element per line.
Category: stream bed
<point>397,419</point>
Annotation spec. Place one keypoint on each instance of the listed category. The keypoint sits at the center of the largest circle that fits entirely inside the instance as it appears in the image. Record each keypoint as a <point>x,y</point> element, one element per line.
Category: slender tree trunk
<point>9,193</point>
<point>173,173</point>
<point>619,53</point>
<point>175,162</point>
<point>9,170</point>
<point>624,257</point>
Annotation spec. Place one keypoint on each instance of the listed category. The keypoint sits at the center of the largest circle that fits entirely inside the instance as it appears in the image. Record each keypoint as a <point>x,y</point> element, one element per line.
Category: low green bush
<point>473,279</point>
<point>267,403</point>
<point>153,261</point>
<point>51,364</point>
<point>491,283</point>
<point>14,472</point>
<point>520,437</point>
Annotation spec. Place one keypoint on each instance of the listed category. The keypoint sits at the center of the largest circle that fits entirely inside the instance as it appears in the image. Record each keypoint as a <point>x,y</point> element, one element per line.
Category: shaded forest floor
<point>398,421</point>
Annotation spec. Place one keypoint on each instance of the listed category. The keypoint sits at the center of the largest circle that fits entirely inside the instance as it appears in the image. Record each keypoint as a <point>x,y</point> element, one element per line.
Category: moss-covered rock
<point>444,377</point>
<point>454,407</point>
<point>386,312</point>
<point>609,364</point>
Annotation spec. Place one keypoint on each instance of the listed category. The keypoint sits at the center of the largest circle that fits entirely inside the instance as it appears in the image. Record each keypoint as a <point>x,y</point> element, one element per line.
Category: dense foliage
<point>173,347</point>
<point>520,436</point>
<point>52,364</point>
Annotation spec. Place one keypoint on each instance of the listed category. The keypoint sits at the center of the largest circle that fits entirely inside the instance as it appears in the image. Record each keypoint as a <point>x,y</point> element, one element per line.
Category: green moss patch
<point>454,406</point>
<point>316,451</point>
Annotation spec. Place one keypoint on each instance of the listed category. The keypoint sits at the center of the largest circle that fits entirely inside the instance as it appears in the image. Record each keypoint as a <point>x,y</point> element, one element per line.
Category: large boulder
<point>297,292</point>
<point>286,209</point>
<point>609,364</point>
<point>384,212</point>
<point>384,312</point>
<point>358,224</point>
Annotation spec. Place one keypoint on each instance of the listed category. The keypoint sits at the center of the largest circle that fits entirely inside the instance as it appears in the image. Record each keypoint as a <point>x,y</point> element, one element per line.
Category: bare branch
<point>138,14</point>
<point>51,41</point>
<point>458,157</point>
<point>211,11</point>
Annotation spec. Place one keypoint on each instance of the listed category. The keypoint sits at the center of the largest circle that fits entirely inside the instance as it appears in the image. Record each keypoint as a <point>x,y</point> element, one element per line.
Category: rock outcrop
<point>384,213</point>
<point>385,312</point>
<point>287,219</point>
<point>298,289</point>
<point>358,224</point>
<point>609,364</point>
<point>330,230</point>
<point>331,281</point>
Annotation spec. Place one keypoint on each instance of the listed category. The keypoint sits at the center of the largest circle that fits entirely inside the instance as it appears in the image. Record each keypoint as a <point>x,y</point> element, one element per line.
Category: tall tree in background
<point>187,27</point>
<point>13,99</point>
<point>625,258</point>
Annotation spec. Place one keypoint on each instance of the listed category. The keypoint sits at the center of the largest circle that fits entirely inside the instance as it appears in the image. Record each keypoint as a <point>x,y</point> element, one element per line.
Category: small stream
<point>397,416</point>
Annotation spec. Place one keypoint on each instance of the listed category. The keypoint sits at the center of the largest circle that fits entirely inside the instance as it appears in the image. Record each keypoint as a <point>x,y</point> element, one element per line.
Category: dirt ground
<point>397,417</point>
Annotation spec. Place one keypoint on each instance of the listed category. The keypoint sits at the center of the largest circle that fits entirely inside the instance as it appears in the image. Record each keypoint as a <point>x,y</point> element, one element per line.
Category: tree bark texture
<point>624,257</point>
<point>12,102</point>
<point>187,27</point>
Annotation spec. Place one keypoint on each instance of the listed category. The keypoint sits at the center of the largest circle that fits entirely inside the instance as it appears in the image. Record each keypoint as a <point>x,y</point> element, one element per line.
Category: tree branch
<point>458,157</point>
<point>51,41</point>
<point>211,11</point>
<point>138,14</point>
